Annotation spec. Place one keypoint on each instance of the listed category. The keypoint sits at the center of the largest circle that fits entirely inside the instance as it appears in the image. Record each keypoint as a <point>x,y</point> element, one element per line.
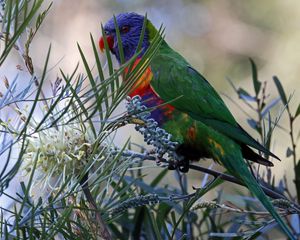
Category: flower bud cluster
<point>205,204</point>
<point>150,199</point>
<point>282,203</point>
<point>153,135</point>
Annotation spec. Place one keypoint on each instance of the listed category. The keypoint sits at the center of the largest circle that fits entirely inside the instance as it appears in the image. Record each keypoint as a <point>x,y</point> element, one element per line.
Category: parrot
<point>190,109</point>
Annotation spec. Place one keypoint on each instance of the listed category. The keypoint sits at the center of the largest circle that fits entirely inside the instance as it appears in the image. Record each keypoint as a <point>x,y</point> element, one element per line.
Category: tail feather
<point>242,172</point>
<point>249,154</point>
<point>255,144</point>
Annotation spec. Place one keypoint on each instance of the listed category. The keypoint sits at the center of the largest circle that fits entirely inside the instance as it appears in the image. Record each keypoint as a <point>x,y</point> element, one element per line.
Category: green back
<point>188,91</point>
<point>175,78</point>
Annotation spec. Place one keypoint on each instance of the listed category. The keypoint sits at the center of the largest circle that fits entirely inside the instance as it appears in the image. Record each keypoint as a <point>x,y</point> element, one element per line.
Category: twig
<point>269,192</point>
<point>232,179</point>
<point>104,233</point>
<point>29,65</point>
<point>214,205</point>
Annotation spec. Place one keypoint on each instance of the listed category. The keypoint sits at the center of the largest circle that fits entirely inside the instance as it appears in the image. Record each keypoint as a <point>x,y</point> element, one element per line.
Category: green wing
<point>174,78</point>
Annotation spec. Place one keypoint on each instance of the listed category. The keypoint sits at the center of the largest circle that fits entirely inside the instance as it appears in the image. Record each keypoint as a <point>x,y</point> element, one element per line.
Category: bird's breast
<point>142,87</point>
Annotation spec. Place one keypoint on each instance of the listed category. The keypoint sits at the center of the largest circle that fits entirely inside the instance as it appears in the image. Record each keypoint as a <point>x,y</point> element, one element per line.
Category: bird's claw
<point>182,165</point>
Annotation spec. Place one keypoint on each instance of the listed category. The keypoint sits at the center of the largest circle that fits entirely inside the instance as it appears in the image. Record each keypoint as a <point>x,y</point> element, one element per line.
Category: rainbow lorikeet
<point>198,119</point>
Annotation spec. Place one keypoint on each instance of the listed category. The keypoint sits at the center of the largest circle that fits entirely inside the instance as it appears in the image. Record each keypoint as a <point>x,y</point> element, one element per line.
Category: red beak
<point>110,41</point>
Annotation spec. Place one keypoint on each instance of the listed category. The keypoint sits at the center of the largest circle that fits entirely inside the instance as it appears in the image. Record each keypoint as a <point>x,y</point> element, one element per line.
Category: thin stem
<point>291,121</point>
<point>104,233</point>
<point>229,178</point>
<point>260,103</point>
<point>269,192</point>
<point>29,65</point>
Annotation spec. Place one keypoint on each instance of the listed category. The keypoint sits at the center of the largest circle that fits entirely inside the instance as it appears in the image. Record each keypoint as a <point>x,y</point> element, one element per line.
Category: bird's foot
<point>182,165</point>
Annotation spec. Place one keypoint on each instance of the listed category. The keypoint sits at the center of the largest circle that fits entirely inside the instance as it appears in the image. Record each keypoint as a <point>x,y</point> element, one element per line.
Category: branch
<point>229,178</point>
<point>163,145</point>
<point>104,233</point>
<point>226,177</point>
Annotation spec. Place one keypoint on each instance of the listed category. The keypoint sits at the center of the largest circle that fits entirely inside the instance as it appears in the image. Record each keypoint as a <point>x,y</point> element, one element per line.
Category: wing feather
<point>174,79</point>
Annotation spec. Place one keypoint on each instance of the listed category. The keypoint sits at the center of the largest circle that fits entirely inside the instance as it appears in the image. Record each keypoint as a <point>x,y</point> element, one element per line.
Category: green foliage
<point>16,18</point>
<point>78,184</point>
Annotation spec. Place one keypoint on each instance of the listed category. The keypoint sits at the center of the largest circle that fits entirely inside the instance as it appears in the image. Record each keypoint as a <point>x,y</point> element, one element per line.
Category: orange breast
<point>150,98</point>
<point>142,83</point>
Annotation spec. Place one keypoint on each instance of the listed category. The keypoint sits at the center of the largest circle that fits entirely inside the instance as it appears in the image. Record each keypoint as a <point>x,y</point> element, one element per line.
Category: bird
<point>187,106</point>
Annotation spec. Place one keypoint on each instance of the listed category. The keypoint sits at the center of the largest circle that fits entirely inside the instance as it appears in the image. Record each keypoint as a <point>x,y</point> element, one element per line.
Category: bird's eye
<point>125,29</point>
<point>106,32</point>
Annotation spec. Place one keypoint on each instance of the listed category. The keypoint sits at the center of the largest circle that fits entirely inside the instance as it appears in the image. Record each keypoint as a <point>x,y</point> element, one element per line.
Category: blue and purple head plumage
<point>130,26</point>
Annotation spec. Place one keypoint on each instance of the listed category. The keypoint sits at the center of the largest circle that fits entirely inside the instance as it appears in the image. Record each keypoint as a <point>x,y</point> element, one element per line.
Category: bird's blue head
<point>130,27</point>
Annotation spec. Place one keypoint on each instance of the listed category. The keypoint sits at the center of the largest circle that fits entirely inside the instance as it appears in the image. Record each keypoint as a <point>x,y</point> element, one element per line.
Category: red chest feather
<point>151,99</point>
<point>142,83</point>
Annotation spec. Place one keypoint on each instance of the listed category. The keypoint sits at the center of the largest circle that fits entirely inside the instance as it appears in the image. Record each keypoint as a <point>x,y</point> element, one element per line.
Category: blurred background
<point>217,37</point>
